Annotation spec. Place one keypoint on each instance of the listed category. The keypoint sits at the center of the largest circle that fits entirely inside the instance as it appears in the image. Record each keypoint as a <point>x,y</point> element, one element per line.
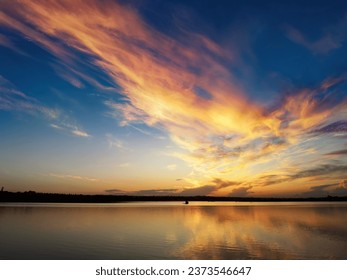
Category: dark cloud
<point>223,183</point>
<point>204,190</point>
<point>325,169</point>
<point>215,185</point>
<point>339,191</point>
<point>114,191</point>
<point>241,192</point>
<point>339,126</point>
<point>318,191</point>
<point>325,190</point>
<point>333,170</point>
<point>272,179</point>
<point>337,153</point>
<point>155,192</point>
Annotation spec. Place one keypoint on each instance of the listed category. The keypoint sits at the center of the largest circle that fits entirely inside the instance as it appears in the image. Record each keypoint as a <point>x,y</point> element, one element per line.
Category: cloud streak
<point>337,153</point>
<point>333,38</point>
<point>74,177</point>
<point>12,99</point>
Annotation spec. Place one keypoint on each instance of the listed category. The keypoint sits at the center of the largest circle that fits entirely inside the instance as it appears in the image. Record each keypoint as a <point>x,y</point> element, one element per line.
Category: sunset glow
<point>173,98</point>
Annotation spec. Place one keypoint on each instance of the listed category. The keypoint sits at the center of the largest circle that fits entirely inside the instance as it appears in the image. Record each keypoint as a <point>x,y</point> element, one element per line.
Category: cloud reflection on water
<point>172,231</point>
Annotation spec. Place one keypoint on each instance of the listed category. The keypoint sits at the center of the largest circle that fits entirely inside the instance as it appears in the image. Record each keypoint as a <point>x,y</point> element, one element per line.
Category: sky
<point>153,97</point>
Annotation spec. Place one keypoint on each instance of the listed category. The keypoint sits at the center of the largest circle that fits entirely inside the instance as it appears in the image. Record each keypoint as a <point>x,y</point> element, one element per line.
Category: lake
<point>172,230</point>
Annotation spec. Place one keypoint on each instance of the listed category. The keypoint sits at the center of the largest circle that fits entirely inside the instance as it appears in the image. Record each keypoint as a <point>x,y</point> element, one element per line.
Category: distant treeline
<point>31,196</point>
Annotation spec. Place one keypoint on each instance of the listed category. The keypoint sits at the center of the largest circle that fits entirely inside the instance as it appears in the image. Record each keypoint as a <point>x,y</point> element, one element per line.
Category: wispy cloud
<point>71,128</point>
<point>114,142</point>
<point>6,42</point>
<point>329,175</point>
<point>322,45</point>
<point>150,192</point>
<point>74,177</point>
<point>12,99</point>
<point>80,133</point>
<point>155,192</point>
<point>70,78</point>
<point>338,126</point>
<point>337,153</point>
<point>115,191</point>
<point>321,170</point>
<point>332,38</point>
<point>205,190</point>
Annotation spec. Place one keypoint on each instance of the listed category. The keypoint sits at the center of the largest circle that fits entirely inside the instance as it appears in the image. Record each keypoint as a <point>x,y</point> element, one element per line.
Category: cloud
<point>241,192</point>
<point>323,45</point>
<point>74,177</point>
<point>71,128</point>
<point>151,192</point>
<point>70,78</point>
<point>337,153</point>
<point>80,133</point>
<point>333,38</point>
<point>319,174</point>
<point>203,190</point>
<point>210,189</point>
<point>224,183</point>
<point>338,126</point>
<point>182,84</point>
<point>12,99</point>
<point>318,191</point>
<point>339,191</point>
<point>272,179</point>
<point>114,142</point>
<point>65,124</point>
<point>329,189</point>
<point>6,42</point>
<point>321,170</point>
<point>115,192</point>
<point>155,192</point>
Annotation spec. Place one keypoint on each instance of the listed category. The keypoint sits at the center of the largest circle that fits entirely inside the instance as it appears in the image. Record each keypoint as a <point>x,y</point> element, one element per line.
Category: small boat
<point>186,202</point>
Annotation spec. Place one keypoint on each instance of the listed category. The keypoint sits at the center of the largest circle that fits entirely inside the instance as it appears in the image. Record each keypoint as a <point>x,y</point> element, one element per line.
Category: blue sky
<point>174,97</point>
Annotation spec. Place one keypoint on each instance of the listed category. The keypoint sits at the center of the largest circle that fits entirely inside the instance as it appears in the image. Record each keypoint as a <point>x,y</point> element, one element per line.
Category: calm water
<point>174,231</point>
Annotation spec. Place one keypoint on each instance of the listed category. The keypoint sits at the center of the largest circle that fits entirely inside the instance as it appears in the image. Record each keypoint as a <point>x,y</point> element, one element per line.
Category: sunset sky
<point>154,97</point>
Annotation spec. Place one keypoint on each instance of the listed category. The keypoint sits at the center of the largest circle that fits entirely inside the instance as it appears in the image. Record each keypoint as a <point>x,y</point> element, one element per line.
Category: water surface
<point>172,230</point>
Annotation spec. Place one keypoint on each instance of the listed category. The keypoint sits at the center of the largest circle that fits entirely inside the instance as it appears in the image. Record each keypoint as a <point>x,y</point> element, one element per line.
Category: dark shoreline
<point>31,196</point>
